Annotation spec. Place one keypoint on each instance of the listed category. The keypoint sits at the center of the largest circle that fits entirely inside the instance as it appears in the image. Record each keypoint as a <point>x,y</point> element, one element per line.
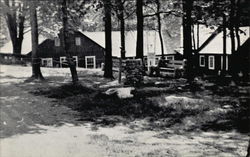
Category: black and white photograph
<point>124,78</point>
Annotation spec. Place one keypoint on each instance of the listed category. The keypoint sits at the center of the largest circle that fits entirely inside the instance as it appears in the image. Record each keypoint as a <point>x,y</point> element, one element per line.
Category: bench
<point>172,68</point>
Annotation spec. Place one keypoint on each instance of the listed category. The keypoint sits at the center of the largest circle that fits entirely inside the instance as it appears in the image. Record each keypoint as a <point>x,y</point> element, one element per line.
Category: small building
<point>88,48</point>
<point>84,51</point>
<point>210,57</point>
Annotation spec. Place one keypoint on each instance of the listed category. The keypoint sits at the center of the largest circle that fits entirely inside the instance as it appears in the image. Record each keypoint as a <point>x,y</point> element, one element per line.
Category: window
<point>57,41</point>
<point>44,62</point>
<point>90,62</point>
<point>170,57</point>
<point>63,62</point>
<point>202,61</point>
<point>47,62</point>
<point>211,62</point>
<point>75,59</point>
<point>78,41</point>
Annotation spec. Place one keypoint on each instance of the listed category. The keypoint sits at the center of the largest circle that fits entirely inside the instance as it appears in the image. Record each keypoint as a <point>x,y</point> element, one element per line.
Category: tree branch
<point>128,15</point>
<point>164,12</point>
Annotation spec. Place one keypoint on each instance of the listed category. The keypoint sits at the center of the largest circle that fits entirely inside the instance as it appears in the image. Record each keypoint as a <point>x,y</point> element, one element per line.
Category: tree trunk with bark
<point>108,72</point>
<point>65,36</point>
<point>187,39</point>
<point>122,28</point>
<point>224,45</point>
<point>158,15</point>
<point>198,36</point>
<point>123,49</point>
<point>231,26</point>
<point>232,36</point>
<point>237,23</point>
<point>36,61</point>
<point>193,37</point>
<point>15,26</point>
<point>122,33</point>
<point>139,42</point>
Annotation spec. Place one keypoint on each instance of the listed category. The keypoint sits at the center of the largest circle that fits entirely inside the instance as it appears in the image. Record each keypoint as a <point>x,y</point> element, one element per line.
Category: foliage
<point>50,17</point>
<point>209,12</point>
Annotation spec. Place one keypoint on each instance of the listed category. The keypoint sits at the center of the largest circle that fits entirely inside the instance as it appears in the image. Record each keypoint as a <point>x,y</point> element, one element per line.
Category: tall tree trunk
<point>237,23</point>
<point>122,28</point>
<point>123,49</point>
<point>20,33</point>
<point>237,35</point>
<point>17,46</point>
<point>65,36</point>
<point>13,27</point>
<point>108,72</point>
<point>187,38</point>
<point>193,37</point>
<point>159,27</point>
<point>198,36</point>
<point>231,26</point>
<point>36,61</point>
<point>122,31</point>
<point>139,42</point>
<point>232,36</point>
<point>224,45</point>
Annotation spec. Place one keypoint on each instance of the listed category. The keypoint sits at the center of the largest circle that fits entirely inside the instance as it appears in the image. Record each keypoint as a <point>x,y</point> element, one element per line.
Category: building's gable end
<point>84,36</point>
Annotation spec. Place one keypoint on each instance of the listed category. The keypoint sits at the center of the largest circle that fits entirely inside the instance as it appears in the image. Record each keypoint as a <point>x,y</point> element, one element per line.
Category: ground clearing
<point>164,118</point>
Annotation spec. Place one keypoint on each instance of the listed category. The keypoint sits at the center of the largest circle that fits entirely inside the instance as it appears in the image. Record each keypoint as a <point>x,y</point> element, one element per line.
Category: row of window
<point>90,61</point>
<point>77,41</point>
<point>211,62</point>
<point>7,57</point>
<point>10,58</point>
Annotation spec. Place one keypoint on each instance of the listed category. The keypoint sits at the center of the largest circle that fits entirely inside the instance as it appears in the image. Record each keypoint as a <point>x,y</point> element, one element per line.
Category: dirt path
<point>36,126</point>
<point>69,140</point>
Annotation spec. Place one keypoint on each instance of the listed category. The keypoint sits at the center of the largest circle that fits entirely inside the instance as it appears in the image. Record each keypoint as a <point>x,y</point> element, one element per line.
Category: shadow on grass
<point>237,118</point>
<point>109,110</point>
<point>22,112</point>
<point>63,91</point>
<point>92,105</point>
